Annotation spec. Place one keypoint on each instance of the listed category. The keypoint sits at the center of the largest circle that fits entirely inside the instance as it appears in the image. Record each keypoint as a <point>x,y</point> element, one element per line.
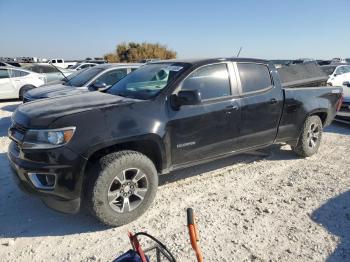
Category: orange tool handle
<point>194,235</point>
<point>137,247</point>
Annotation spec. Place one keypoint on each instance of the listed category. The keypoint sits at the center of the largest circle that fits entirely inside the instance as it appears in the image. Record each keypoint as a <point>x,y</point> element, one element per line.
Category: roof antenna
<point>239,52</point>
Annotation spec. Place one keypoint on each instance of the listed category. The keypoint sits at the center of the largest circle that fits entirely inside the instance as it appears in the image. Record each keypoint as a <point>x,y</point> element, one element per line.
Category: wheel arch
<point>149,145</point>
<point>321,113</point>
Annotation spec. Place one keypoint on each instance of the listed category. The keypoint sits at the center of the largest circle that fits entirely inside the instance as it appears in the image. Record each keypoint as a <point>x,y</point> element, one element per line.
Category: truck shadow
<point>22,215</point>
<point>272,153</point>
<point>338,128</point>
<point>334,216</point>
<point>11,107</point>
<point>5,123</point>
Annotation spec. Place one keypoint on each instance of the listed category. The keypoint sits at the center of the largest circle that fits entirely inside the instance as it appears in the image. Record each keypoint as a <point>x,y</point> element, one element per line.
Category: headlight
<point>47,138</point>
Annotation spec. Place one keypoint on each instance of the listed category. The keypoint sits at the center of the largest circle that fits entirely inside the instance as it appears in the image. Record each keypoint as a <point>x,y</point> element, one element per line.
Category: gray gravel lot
<point>274,208</point>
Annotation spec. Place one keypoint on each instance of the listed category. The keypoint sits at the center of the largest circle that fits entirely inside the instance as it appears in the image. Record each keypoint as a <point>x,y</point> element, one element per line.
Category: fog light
<point>43,181</point>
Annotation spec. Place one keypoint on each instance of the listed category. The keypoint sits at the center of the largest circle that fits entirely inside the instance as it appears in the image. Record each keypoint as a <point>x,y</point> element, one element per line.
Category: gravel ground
<point>249,208</point>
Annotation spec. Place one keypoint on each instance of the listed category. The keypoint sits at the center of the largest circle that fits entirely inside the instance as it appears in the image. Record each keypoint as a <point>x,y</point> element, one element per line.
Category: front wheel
<point>310,137</point>
<point>121,186</point>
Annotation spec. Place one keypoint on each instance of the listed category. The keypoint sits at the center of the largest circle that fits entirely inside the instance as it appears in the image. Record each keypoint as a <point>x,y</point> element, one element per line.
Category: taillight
<point>340,101</point>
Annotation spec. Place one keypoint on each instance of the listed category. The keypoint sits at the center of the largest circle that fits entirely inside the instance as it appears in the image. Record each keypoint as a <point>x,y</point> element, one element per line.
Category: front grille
<point>17,132</point>
<point>19,127</point>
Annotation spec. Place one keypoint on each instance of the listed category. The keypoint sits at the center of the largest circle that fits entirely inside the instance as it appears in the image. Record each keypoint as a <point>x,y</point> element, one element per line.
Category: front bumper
<point>65,164</point>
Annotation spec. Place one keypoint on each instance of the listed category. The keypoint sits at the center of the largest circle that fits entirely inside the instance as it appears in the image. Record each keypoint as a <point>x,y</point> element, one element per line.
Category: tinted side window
<point>254,77</point>
<point>212,81</point>
<point>48,69</point>
<point>17,73</point>
<point>59,61</point>
<point>4,73</point>
<point>112,77</point>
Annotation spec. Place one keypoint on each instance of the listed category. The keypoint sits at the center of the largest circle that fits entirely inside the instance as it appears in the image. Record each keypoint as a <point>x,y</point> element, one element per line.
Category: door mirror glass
<point>186,97</point>
<point>98,86</point>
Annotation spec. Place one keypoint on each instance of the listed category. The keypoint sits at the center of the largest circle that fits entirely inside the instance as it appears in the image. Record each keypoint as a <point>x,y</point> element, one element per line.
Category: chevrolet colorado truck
<point>106,149</point>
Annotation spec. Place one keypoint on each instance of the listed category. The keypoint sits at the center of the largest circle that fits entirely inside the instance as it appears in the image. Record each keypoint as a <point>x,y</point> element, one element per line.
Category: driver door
<point>211,127</point>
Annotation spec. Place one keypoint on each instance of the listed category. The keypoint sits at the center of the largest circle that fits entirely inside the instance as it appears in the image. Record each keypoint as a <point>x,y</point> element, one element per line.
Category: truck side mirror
<point>98,86</point>
<point>346,83</point>
<point>186,97</point>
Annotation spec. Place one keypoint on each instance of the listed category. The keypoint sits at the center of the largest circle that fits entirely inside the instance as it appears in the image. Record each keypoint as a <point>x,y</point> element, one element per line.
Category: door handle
<point>273,101</point>
<point>230,108</point>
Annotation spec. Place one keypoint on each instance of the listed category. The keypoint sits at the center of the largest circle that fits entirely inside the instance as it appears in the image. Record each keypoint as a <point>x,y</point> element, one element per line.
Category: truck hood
<point>41,113</point>
<point>54,90</point>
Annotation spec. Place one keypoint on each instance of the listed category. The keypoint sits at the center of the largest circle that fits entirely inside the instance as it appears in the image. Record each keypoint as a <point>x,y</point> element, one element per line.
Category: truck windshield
<point>82,78</point>
<point>147,81</point>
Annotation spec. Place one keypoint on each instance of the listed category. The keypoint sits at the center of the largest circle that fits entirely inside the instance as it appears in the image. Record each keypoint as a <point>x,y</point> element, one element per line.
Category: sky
<point>264,29</point>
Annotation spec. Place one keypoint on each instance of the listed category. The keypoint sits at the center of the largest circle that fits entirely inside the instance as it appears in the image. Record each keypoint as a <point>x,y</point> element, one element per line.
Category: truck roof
<point>105,66</point>
<point>203,61</point>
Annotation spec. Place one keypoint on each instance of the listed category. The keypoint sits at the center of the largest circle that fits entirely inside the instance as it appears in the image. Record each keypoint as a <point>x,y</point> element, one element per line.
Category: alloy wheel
<point>127,190</point>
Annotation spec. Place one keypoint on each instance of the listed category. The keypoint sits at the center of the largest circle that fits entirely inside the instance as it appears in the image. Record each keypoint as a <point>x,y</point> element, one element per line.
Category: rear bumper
<point>65,196</point>
<point>344,114</point>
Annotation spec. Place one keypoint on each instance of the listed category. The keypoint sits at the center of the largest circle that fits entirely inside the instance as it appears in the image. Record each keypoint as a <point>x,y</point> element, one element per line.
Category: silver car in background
<point>99,77</point>
<point>50,72</point>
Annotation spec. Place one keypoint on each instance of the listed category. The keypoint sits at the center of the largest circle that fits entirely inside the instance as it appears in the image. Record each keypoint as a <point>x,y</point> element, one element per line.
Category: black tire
<point>23,90</point>
<point>102,182</point>
<point>310,137</point>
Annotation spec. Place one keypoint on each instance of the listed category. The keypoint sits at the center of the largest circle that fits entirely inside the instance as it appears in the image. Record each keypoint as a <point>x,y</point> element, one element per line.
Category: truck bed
<point>303,101</point>
<point>301,75</point>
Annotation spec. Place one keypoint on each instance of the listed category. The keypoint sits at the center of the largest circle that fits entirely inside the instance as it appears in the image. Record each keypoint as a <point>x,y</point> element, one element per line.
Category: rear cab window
<point>254,77</point>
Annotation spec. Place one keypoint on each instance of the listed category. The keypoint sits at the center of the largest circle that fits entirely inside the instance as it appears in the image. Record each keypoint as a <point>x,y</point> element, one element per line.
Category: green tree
<point>135,52</point>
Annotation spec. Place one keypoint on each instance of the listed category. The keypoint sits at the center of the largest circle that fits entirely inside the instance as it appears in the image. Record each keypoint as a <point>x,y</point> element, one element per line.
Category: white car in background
<point>338,74</point>
<point>61,63</point>
<point>14,82</point>
<point>80,66</point>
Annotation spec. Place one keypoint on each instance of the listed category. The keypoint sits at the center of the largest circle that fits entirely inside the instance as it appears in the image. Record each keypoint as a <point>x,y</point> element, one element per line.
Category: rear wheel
<point>310,137</point>
<point>121,186</point>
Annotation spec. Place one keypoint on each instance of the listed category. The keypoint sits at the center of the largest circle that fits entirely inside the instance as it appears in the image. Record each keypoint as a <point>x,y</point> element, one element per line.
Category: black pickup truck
<point>106,149</point>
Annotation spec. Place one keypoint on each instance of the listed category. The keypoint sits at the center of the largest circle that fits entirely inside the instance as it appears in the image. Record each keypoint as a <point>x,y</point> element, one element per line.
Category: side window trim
<point>264,90</point>
<point>215,99</point>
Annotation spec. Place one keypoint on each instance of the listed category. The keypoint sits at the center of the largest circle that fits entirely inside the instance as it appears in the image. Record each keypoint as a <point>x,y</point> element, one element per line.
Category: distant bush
<point>135,52</point>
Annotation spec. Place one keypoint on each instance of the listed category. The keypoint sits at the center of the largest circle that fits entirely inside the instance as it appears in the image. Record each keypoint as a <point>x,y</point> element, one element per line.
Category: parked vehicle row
<point>107,148</point>
<point>99,77</point>
<point>80,66</point>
